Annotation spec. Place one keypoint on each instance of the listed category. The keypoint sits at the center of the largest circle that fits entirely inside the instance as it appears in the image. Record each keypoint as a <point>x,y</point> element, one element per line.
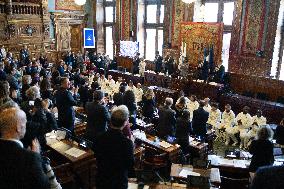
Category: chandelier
<point>80,2</point>
<point>188,1</point>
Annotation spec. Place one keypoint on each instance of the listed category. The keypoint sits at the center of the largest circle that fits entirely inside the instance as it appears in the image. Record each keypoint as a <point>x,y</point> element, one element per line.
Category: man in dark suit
<point>64,102</point>
<point>136,62</point>
<point>200,117</point>
<point>3,74</point>
<point>114,153</point>
<point>270,177</point>
<point>167,120</point>
<point>118,97</point>
<point>97,117</point>
<point>158,62</point>
<point>19,168</point>
<point>24,56</point>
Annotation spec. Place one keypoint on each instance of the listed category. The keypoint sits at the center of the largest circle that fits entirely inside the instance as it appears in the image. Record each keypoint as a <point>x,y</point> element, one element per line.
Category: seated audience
<point>214,118</point>
<point>97,117</point>
<point>261,149</point>
<point>114,153</point>
<point>244,122</point>
<point>259,119</point>
<point>199,120</point>
<point>167,121</point>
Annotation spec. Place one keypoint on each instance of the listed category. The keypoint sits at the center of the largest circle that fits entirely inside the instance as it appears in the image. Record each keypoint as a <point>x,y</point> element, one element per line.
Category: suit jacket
<point>20,168</point>
<point>114,154</point>
<point>269,178</point>
<point>167,121</point>
<point>200,117</point>
<point>118,99</point>
<point>97,120</point>
<point>262,154</point>
<point>66,114</point>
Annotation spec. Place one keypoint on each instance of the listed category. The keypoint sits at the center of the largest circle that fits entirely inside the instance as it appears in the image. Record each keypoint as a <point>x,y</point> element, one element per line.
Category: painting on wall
<point>196,36</point>
<point>68,5</point>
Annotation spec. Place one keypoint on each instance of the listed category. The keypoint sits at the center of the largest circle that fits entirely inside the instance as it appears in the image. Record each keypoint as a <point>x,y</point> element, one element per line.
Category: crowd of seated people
<point>38,94</point>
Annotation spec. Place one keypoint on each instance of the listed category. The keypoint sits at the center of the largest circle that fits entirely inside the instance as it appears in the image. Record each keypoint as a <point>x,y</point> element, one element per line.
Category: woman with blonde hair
<point>149,104</point>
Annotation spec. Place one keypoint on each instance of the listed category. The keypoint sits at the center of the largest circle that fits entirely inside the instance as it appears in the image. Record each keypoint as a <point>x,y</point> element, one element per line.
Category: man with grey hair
<point>19,168</point>
<point>167,121</point>
<point>114,153</point>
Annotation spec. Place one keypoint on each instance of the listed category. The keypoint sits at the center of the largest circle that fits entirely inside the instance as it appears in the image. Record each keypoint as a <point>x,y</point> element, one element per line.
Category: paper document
<point>239,163</point>
<point>75,152</point>
<point>164,144</point>
<point>185,172</point>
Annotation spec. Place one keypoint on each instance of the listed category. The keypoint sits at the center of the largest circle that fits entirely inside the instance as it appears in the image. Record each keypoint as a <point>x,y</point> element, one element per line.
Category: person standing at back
<point>97,117</point>
<point>65,102</point>
<point>200,117</point>
<point>261,149</point>
<point>114,153</point>
<point>167,120</point>
<point>19,168</point>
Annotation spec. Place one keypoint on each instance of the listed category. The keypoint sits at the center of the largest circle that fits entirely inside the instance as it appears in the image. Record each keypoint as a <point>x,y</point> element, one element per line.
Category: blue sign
<point>89,38</point>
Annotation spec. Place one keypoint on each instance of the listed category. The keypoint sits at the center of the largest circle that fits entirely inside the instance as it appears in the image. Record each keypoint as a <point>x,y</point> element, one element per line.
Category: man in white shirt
<point>138,92</point>
<point>227,123</point>
<point>244,121</point>
<point>110,86</point>
<point>130,86</point>
<point>257,121</point>
<point>142,67</point>
<point>192,105</point>
<point>215,118</point>
<point>207,106</point>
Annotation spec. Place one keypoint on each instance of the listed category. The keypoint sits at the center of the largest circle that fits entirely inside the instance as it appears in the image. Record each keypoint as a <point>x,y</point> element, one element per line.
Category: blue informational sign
<point>89,38</point>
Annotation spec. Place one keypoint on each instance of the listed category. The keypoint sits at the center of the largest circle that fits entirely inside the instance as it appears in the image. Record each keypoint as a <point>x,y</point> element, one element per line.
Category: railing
<point>20,8</point>
<point>26,9</point>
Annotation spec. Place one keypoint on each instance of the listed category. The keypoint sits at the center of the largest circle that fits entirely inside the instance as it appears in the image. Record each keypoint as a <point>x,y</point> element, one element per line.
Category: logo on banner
<point>89,38</point>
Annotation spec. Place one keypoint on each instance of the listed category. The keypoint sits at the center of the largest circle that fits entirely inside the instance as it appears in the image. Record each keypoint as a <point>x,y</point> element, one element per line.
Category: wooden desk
<point>80,129</point>
<point>84,166</point>
<point>126,76</point>
<point>162,93</point>
<point>230,167</point>
<point>172,151</point>
<point>213,174</point>
<point>188,85</point>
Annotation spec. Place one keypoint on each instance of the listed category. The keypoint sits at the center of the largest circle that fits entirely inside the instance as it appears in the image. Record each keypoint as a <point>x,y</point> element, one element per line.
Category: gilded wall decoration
<point>198,36</point>
<point>68,5</point>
